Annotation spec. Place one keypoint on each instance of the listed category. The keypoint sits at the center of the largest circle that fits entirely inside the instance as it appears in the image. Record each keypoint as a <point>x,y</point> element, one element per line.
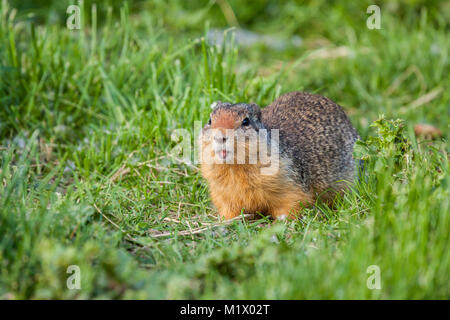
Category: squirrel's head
<point>245,116</point>
<point>232,128</point>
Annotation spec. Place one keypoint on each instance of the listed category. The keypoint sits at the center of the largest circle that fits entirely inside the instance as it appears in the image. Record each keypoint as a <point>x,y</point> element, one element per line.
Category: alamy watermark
<point>74,280</point>
<point>374,20</point>
<point>374,280</point>
<point>228,146</point>
<point>73,22</point>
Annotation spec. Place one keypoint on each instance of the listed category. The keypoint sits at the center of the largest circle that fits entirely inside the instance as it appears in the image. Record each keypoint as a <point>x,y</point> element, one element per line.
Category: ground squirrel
<point>312,157</point>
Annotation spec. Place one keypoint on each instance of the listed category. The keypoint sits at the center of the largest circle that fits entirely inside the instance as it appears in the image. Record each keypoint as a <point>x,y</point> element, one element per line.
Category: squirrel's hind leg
<point>290,206</point>
<point>286,213</point>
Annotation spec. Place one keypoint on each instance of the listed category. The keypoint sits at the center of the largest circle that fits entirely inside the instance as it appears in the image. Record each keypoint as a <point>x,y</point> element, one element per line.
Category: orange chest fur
<point>243,188</point>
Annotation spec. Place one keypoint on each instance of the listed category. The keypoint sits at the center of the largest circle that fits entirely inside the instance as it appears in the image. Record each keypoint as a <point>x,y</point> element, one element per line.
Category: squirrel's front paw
<point>227,215</point>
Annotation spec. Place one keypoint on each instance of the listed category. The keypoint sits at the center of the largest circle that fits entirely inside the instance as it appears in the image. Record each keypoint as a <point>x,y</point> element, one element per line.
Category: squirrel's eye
<point>209,122</point>
<point>246,122</point>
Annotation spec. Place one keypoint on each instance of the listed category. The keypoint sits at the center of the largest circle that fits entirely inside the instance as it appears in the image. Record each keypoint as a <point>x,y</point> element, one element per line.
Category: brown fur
<point>236,188</point>
<point>316,142</point>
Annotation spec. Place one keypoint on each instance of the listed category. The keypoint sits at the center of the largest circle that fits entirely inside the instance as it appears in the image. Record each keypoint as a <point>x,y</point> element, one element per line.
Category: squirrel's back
<point>317,136</point>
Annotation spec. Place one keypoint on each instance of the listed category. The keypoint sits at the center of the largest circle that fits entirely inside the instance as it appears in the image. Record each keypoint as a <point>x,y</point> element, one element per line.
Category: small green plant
<point>389,147</point>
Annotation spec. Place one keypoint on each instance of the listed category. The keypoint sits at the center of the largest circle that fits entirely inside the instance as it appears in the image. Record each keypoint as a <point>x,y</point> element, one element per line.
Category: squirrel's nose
<point>220,139</point>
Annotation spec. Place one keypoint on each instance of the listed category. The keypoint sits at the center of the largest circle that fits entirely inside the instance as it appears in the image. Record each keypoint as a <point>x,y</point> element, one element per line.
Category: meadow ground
<point>88,177</point>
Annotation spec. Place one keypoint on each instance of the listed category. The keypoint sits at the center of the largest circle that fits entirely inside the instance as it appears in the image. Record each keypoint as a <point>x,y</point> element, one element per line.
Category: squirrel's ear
<point>255,109</point>
<point>215,104</point>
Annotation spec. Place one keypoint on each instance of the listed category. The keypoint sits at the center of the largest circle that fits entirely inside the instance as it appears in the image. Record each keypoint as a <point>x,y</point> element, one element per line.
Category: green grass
<point>87,178</point>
